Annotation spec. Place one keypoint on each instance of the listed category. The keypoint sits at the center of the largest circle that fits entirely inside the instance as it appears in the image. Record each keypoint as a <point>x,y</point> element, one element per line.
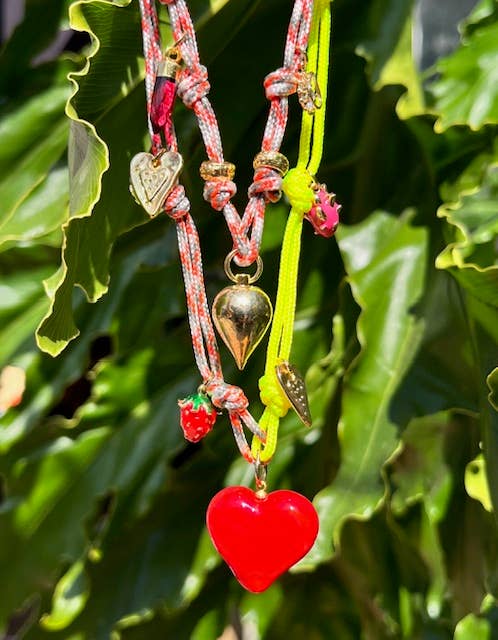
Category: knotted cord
<point>193,87</point>
<point>297,187</point>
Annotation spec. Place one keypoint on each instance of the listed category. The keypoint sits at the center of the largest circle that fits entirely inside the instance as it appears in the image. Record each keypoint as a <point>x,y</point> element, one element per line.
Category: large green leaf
<point>465,91</point>
<point>385,263</point>
<point>108,96</point>
<point>24,164</point>
<point>388,51</point>
<point>471,256</point>
<point>102,503</point>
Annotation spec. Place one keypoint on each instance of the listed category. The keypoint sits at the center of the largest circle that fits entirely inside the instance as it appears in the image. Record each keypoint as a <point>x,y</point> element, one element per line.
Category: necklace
<point>241,312</point>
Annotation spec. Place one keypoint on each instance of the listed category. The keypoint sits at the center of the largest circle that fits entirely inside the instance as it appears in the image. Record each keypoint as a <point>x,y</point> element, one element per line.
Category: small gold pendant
<point>242,313</point>
<point>292,384</point>
<point>153,177</point>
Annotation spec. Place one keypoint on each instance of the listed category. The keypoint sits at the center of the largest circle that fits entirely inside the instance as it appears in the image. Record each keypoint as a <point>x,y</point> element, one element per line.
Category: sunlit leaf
<point>465,93</point>
<point>384,261</point>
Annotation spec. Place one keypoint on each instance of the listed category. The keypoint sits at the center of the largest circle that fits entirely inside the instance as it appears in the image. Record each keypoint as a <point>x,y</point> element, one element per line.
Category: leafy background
<point>102,502</point>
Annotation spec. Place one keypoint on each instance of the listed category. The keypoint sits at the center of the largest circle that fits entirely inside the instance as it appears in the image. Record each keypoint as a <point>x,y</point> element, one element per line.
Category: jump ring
<point>246,277</point>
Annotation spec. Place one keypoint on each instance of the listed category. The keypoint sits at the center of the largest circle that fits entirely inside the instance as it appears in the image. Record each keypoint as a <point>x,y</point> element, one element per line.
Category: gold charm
<point>292,384</point>
<point>152,178</point>
<point>308,92</point>
<point>242,313</point>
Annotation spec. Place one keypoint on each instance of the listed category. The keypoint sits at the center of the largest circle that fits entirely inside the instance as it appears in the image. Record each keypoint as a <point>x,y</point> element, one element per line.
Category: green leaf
<point>385,263</point>
<point>22,305</point>
<point>466,91</point>
<point>388,51</point>
<point>69,599</point>
<point>25,164</point>
<point>471,256</point>
<point>42,212</point>
<point>34,34</point>
<point>492,381</point>
<point>89,234</point>
<point>472,628</point>
<point>476,482</point>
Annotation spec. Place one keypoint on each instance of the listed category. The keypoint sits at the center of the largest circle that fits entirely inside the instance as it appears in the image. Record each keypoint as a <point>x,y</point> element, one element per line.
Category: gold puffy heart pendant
<point>242,313</point>
<point>153,177</point>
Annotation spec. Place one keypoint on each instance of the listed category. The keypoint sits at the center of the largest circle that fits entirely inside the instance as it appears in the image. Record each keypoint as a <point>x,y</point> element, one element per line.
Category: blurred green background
<point>102,501</point>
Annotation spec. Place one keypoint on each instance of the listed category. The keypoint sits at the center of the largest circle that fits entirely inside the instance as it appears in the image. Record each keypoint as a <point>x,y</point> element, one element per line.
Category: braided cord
<point>223,395</point>
<point>297,186</point>
<point>246,231</point>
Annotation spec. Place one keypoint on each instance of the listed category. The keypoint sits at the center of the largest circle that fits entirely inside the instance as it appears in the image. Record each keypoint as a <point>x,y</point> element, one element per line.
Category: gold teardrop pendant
<point>242,314</point>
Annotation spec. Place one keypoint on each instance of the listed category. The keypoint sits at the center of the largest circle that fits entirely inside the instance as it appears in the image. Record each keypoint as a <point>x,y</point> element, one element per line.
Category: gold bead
<point>211,170</point>
<point>272,160</point>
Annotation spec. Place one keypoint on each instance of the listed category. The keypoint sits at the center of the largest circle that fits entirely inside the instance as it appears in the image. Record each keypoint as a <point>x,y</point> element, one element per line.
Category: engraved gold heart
<point>153,177</point>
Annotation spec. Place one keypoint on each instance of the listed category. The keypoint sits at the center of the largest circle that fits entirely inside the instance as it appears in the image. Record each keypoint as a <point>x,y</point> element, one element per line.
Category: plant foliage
<point>102,502</point>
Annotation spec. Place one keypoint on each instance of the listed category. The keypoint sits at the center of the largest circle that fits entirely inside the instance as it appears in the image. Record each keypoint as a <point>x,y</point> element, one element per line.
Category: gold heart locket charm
<point>153,177</point>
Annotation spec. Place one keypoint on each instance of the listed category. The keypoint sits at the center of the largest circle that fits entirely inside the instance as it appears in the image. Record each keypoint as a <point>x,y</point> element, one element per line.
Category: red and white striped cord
<point>193,87</point>
<point>223,395</point>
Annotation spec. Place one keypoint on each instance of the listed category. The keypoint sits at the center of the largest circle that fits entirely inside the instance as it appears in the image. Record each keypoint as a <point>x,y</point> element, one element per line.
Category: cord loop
<point>219,193</point>
<point>226,396</point>
<point>267,183</point>
<point>297,187</point>
<point>193,85</point>
<point>177,205</point>
<point>280,83</point>
<point>272,395</point>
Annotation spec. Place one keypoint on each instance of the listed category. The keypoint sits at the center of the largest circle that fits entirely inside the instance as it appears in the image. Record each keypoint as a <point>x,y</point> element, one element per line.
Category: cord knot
<point>219,193</point>
<point>177,205</point>
<point>272,395</point>
<point>226,396</point>
<point>193,85</point>
<point>280,83</point>
<point>267,183</point>
<point>297,187</point>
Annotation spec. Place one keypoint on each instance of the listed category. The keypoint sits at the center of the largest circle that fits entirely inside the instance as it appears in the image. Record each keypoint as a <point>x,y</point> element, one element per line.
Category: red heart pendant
<point>261,537</point>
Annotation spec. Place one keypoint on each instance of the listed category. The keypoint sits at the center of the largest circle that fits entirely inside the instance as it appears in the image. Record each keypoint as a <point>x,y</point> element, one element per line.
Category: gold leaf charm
<point>308,92</point>
<point>153,177</point>
<point>292,384</point>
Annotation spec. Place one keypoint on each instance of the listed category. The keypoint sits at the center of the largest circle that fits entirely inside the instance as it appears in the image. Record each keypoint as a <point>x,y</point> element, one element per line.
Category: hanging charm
<point>324,214</point>
<point>197,416</point>
<point>242,313</point>
<point>283,524</point>
<point>153,177</point>
<point>294,388</point>
<point>308,92</point>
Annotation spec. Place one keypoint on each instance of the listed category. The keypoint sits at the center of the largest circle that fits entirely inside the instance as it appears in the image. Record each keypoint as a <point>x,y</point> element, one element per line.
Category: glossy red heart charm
<point>261,537</point>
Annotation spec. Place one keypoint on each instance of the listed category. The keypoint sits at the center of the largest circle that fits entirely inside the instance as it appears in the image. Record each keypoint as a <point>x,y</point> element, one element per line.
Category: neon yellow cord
<point>297,187</point>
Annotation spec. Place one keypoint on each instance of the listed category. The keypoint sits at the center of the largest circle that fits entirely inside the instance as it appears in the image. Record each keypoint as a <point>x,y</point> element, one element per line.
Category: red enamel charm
<point>197,416</point>
<point>261,537</point>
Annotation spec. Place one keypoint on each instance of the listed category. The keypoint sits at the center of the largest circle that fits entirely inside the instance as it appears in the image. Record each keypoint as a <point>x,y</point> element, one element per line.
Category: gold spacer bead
<point>272,160</point>
<point>211,170</point>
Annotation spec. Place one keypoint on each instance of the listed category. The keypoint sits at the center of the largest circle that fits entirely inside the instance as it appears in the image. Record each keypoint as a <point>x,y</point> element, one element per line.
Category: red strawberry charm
<point>197,416</point>
<point>261,535</point>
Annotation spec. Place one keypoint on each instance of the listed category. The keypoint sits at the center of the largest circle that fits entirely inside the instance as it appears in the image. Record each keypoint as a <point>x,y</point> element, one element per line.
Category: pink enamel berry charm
<point>197,416</point>
<point>324,214</point>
